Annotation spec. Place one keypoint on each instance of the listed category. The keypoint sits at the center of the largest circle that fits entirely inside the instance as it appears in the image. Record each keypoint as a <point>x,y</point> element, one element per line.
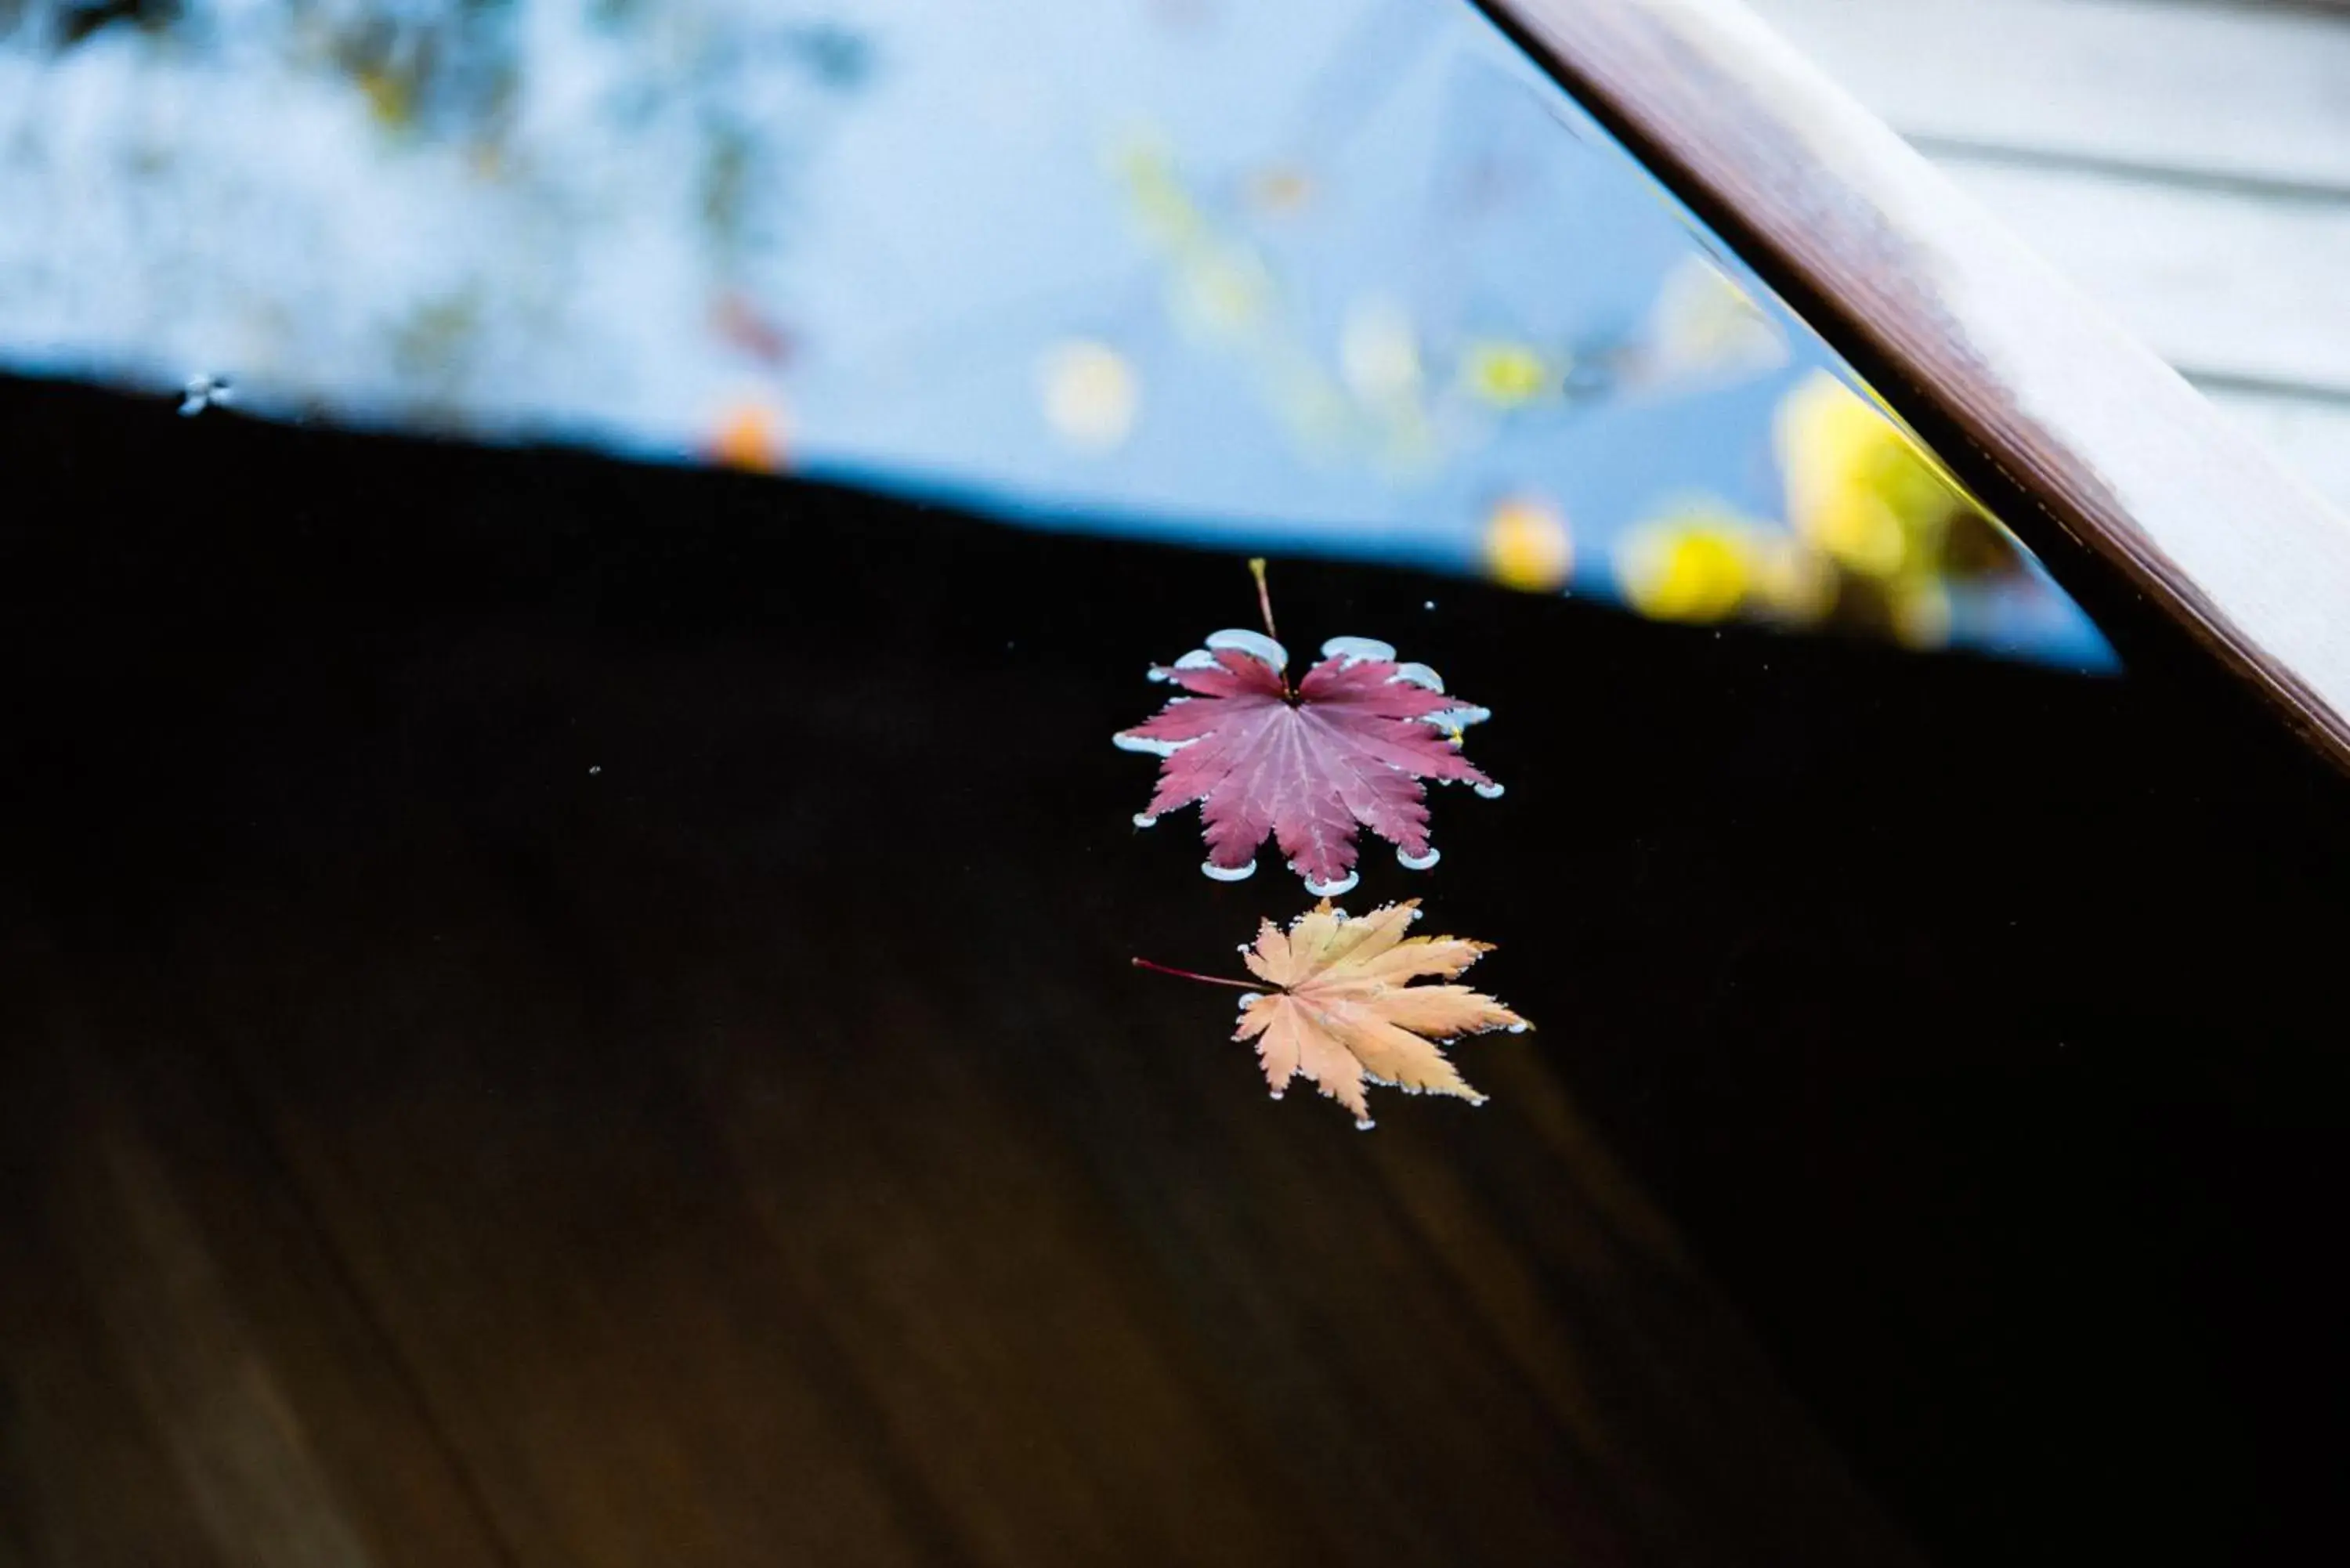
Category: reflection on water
<point>1335,276</point>
<point>591,1004</point>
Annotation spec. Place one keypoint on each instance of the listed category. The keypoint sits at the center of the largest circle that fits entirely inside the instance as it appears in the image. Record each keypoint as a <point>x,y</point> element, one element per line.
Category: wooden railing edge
<point>2105,442</point>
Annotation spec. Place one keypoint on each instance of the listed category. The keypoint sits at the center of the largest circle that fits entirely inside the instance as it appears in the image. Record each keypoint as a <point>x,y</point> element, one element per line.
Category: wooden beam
<point>1974,333</point>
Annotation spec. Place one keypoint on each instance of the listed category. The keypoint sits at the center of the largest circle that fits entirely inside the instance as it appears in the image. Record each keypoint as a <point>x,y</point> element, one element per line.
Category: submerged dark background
<point>554,1012</point>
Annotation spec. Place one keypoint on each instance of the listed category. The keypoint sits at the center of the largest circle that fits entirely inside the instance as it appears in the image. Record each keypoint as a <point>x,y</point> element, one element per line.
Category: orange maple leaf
<point>1344,1013</point>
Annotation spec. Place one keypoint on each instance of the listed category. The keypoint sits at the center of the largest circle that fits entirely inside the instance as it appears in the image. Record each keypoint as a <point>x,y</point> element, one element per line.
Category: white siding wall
<point>2188,163</point>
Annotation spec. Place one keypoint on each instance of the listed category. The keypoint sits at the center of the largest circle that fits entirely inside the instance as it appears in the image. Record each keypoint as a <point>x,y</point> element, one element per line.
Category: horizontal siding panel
<point>2219,283</point>
<point>2309,437</point>
<point>2228,91</point>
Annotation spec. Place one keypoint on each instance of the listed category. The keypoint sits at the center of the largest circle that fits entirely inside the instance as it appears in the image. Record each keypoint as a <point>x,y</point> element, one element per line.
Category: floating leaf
<point>1344,1013</point>
<point>1348,746</point>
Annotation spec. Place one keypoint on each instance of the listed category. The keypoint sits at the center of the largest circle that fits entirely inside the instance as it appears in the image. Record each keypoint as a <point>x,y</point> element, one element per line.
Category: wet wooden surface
<point>553,1015</point>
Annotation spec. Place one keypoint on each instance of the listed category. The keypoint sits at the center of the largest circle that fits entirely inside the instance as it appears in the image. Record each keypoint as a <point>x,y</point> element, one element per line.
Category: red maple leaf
<point>1349,746</point>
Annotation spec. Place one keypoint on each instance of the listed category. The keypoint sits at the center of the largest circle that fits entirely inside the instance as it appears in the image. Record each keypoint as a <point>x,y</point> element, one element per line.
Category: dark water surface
<point>557,1013</point>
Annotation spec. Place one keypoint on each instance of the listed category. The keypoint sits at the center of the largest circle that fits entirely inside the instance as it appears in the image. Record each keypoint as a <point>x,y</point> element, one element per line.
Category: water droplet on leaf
<point>1125,742</point>
<point>1418,674</point>
<point>1358,650</point>
<point>1255,644</point>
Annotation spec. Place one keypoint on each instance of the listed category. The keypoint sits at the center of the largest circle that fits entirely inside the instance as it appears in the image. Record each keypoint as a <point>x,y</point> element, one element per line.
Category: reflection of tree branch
<point>1355,79</point>
<point>1877,538</point>
<point>1409,402</point>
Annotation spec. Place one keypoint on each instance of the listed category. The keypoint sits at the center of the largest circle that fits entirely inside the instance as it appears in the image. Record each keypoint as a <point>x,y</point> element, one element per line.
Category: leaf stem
<point>1264,596</point>
<point>1187,974</point>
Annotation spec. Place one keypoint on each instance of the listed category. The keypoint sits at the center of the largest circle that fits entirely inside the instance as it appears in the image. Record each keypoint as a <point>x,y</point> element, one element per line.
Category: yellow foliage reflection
<point>1528,545</point>
<point>1506,375</point>
<point>1878,533</point>
<point>1703,563</point>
